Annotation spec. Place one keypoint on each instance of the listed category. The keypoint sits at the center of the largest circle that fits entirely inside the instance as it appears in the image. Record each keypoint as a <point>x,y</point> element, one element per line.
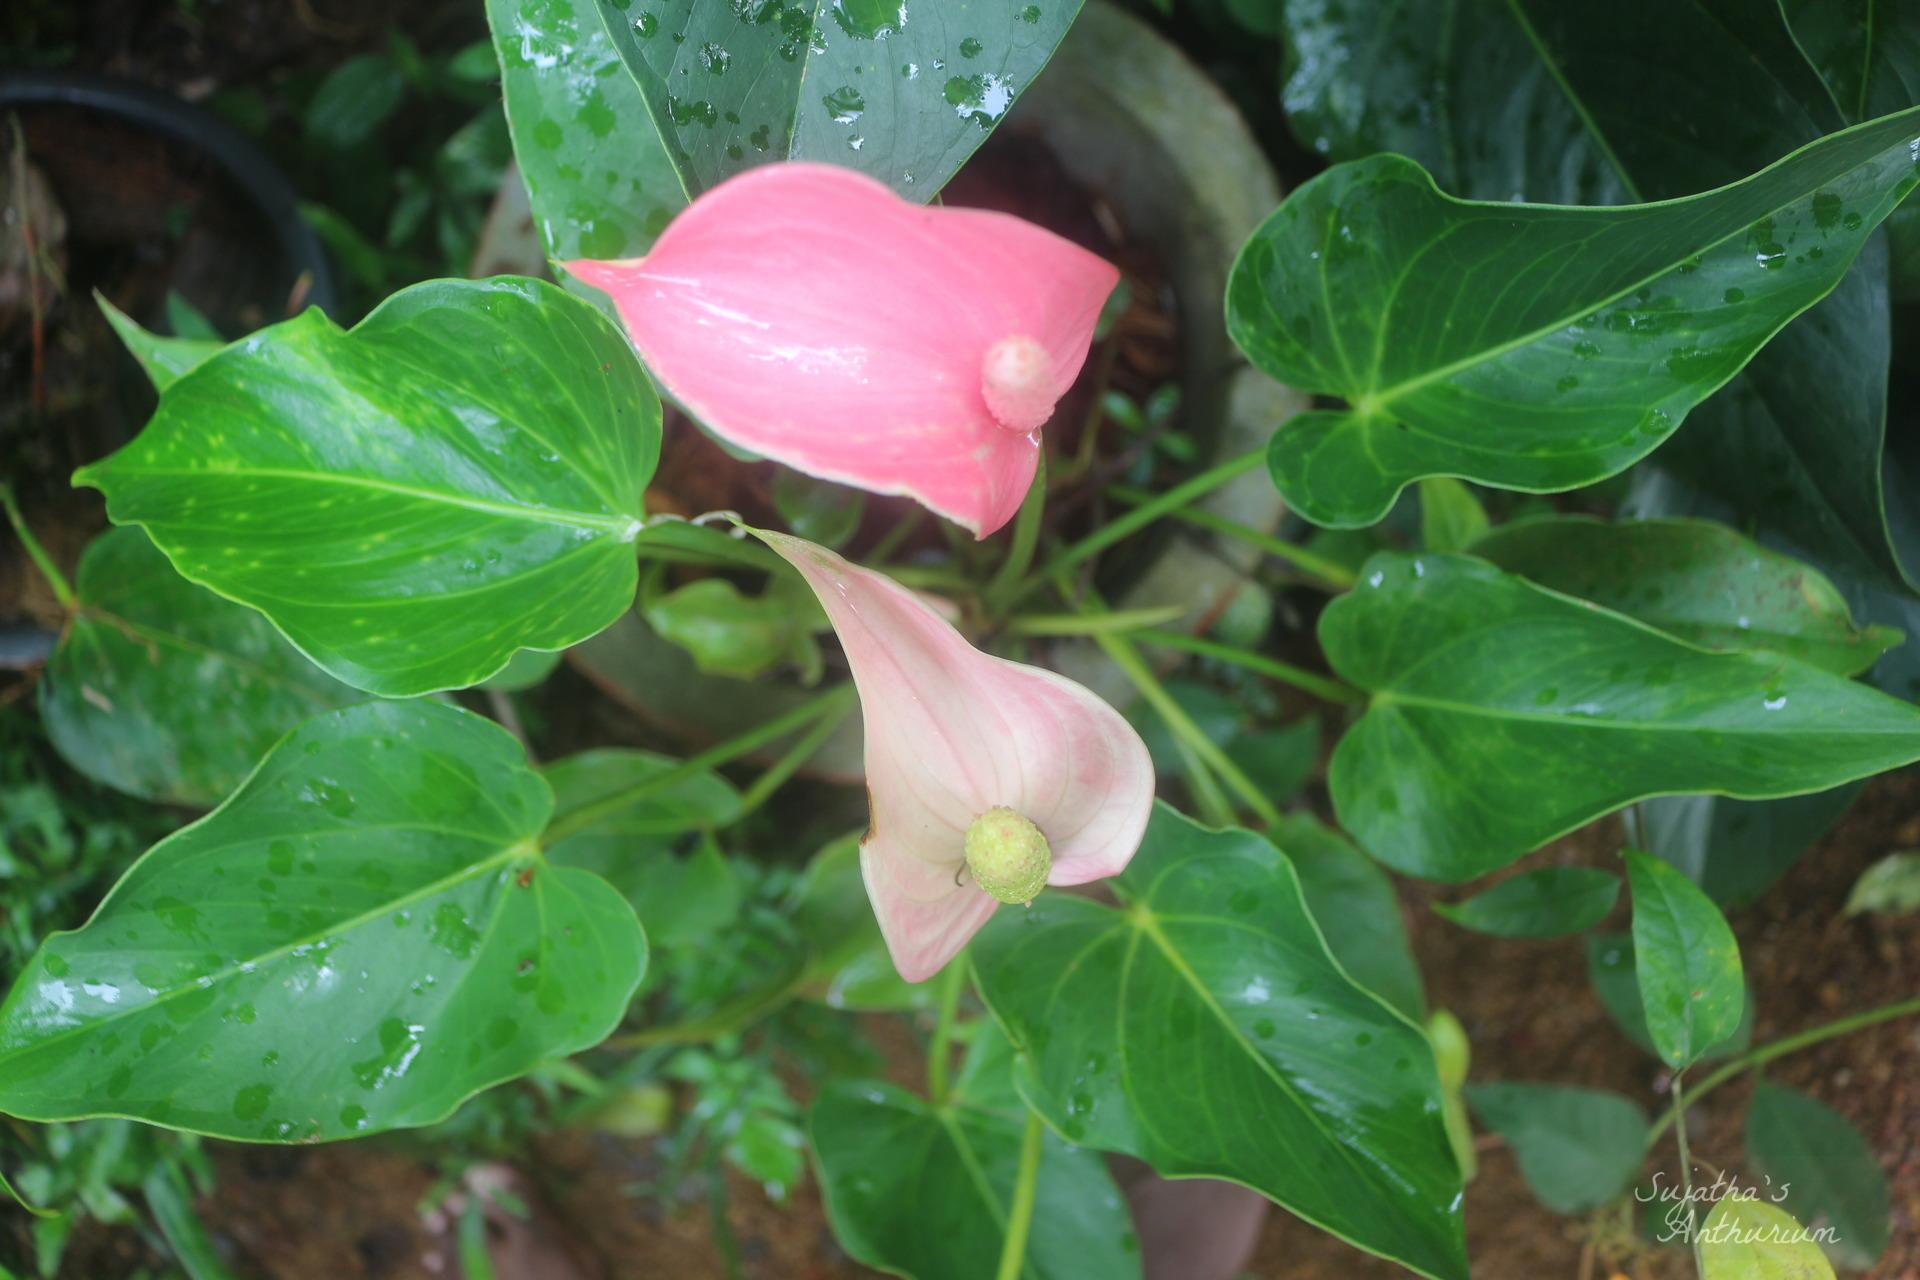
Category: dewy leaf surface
<point>1532,347</point>
<point>1203,1027</point>
<point>166,691</point>
<point>902,90</point>
<point>457,477</point>
<point>1504,715</point>
<point>363,936</point>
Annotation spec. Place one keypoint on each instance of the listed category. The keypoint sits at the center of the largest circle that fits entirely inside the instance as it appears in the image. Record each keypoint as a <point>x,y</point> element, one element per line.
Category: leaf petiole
<point>62,590</point>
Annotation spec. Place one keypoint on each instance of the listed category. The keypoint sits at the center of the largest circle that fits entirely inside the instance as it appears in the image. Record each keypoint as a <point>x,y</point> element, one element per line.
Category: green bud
<point>1008,856</point>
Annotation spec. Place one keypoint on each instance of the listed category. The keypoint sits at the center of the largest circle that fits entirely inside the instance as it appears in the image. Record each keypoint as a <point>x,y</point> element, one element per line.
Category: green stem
<point>789,763</point>
<point>1141,516</point>
<point>1079,624</point>
<point>1318,685</point>
<point>1215,809</point>
<point>833,700</point>
<point>893,539</point>
<point>1779,1048</point>
<point>1686,1161</point>
<point>1013,1254</point>
<point>1026,537</point>
<point>952,980</point>
<point>1330,572</point>
<point>41,560</point>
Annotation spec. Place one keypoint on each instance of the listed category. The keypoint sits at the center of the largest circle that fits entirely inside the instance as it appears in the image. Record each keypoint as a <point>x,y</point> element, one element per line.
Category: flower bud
<point>1008,856</point>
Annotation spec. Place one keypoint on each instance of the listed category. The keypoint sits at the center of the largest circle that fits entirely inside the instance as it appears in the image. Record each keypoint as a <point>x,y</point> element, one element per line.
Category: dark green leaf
<point>1610,968</point>
<point>1694,579</point>
<point>1450,516</point>
<point>354,101</point>
<point>1735,849</point>
<point>817,510</point>
<point>1504,715</point>
<point>1746,1239</point>
<point>1828,1173</point>
<point>1278,761</point>
<point>363,936</point>
<point>162,359</point>
<point>166,691</point>
<point>598,177</point>
<point>1891,885</point>
<point>1353,902</point>
<point>1867,51</point>
<point>852,82</point>
<point>1204,1027</point>
<point>1577,1148</point>
<point>410,502</point>
<point>1686,961</point>
<point>1529,347</point>
<point>1550,902</point>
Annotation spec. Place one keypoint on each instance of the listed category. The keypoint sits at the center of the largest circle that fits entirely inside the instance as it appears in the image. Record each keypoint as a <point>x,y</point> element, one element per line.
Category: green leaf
<point>166,691</point>
<point>1504,715</point>
<point>162,359</point>
<point>848,967</point>
<point>1531,347</point>
<point>1611,971</point>
<point>1867,51</point>
<point>1353,902</point>
<point>732,634</point>
<point>1751,1240</point>
<point>1891,885</point>
<point>1278,761</point>
<point>1204,1027</point>
<point>353,101</point>
<point>853,83</point>
<point>1695,579</point>
<point>817,510</point>
<point>1686,960</point>
<point>1577,1148</point>
<point>1734,849</point>
<point>523,671</point>
<point>919,1190</point>
<point>360,938</point>
<point>1450,516</point>
<point>1827,1171</point>
<point>411,501</point>
<point>597,175</point>
<point>1549,902</point>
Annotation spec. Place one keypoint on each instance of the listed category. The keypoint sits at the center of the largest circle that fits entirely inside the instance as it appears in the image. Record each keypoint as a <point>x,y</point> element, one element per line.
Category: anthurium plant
<point>1598,510</point>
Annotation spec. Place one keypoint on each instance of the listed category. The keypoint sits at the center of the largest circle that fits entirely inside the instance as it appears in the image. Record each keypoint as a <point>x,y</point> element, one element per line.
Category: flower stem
<point>1080,624</point>
<point>1285,672</point>
<point>1330,573</point>
<point>41,560</point>
<point>1686,1162</point>
<point>1026,536</point>
<point>776,774</point>
<point>1779,1048</point>
<point>1013,1253</point>
<point>953,979</point>
<point>835,700</point>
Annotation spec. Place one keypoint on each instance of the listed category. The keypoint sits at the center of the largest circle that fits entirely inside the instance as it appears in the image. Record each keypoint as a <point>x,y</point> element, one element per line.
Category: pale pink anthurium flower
<point>986,779</point>
<point>808,314</point>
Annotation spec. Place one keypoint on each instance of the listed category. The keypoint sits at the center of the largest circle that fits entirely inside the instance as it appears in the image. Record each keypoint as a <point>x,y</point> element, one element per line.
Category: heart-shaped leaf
<point>361,937</point>
<point>1549,902</point>
<point>902,92</point>
<point>1529,347</point>
<point>1830,1175</point>
<point>1686,960</point>
<point>1204,1027</point>
<point>1577,1148</point>
<point>1504,715</point>
<point>166,691</point>
<point>457,477</point>
<point>1694,579</point>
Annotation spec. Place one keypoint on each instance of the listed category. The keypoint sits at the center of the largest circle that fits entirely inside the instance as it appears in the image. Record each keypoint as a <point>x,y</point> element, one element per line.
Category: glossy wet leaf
<point>166,691</point>
<point>902,90</point>
<point>1577,1148</point>
<point>1891,885</point>
<point>1353,902</point>
<point>1535,348</point>
<point>1549,902</point>
<point>360,938</point>
<point>1695,579</point>
<point>923,1191</point>
<point>162,359</point>
<point>1831,1175</point>
<point>1735,849</point>
<point>413,500</point>
<point>1204,1027</point>
<point>1686,961</point>
<point>1504,715</point>
<point>1752,1240</point>
<point>1611,971</point>
<point>597,173</point>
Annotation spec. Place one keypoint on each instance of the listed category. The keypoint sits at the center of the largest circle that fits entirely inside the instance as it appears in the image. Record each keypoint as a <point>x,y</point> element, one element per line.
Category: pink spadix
<point>808,314</point>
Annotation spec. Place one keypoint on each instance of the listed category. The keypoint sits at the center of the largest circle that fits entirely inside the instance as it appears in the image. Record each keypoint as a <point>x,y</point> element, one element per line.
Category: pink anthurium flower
<point>807,313</point>
<point>986,779</point>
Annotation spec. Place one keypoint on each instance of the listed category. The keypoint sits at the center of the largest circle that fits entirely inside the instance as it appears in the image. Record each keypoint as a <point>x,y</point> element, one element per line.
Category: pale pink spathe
<point>806,313</point>
<point>952,732</point>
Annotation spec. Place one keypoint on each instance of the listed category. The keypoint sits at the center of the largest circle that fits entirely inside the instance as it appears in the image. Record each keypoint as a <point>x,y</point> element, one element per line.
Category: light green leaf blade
<point>166,691</point>
<point>1616,984</point>
<point>1686,960</point>
<point>1891,885</point>
<point>1450,516</point>
<point>1504,715</point>
<point>1204,1027</point>
<point>1353,902</point>
<point>1831,1176</point>
<point>597,175</point>
<point>1752,1240</point>
<point>1695,579</point>
<point>162,359</point>
<point>1549,902</point>
<point>360,938</point>
<point>729,633</point>
<point>903,93</point>
<point>1577,1148</point>
<point>1532,347</point>
<point>411,501</point>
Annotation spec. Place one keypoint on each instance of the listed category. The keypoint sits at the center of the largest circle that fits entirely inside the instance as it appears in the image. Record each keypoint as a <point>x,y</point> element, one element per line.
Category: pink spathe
<point>953,732</point>
<point>808,314</point>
